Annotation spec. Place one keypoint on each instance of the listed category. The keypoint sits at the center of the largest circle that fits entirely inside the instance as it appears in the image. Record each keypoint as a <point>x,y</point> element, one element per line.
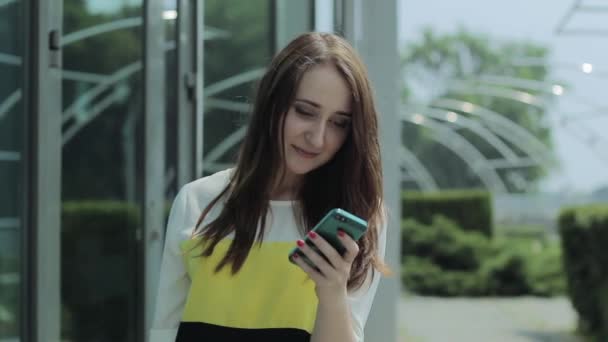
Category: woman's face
<point>318,121</point>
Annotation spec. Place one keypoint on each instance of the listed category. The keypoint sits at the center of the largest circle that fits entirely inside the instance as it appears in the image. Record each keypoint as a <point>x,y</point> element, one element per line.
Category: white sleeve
<point>174,282</point>
<point>360,300</point>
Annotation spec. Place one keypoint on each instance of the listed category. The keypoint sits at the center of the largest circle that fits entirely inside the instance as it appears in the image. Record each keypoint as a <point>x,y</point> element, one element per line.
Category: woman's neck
<point>287,188</point>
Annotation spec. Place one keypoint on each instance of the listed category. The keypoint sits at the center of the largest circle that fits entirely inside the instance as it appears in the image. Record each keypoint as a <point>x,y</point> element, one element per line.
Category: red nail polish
<point>312,235</point>
<point>341,233</point>
<point>300,243</point>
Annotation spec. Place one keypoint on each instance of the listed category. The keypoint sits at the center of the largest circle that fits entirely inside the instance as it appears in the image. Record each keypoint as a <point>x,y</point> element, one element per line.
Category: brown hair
<point>352,180</point>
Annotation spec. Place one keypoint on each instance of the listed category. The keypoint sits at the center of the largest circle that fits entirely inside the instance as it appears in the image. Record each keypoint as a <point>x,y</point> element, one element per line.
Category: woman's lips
<point>304,153</point>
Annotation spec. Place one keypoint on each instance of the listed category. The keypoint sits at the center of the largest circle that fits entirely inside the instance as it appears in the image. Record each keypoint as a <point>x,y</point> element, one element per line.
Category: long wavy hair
<point>352,180</point>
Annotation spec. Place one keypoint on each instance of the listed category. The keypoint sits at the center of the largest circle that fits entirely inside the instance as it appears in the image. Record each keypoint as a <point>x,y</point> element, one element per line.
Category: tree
<point>238,38</point>
<point>467,66</point>
<point>93,163</point>
<point>245,43</point>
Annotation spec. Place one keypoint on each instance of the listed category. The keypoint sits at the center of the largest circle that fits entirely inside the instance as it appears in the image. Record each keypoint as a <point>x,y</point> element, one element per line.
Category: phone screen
<point>328,226</point>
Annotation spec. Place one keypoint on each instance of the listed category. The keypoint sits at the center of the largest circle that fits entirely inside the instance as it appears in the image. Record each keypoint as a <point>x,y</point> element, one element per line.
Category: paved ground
<point>521,319</point>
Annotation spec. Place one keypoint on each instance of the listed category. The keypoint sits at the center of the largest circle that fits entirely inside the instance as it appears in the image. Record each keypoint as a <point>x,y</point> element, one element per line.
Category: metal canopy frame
<point>578,7</point>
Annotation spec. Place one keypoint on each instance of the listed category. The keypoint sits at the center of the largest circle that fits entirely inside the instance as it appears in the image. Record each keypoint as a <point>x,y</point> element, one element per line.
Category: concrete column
<point>371,26</point>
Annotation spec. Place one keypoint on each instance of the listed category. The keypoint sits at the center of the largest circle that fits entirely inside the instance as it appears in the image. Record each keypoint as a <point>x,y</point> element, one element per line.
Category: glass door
<point>12,137</point>
<point>102,170</point>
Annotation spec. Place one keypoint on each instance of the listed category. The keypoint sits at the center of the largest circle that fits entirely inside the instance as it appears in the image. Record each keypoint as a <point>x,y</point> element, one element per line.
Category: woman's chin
<point>301,170</point>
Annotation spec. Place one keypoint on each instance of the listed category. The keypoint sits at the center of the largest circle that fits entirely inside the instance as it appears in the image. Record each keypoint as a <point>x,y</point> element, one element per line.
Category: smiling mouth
<point>304,153</point>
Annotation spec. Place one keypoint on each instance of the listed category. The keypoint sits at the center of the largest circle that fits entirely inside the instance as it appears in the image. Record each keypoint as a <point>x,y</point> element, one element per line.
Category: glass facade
<point>12,128</point>
<point>240,32</point>
<point>170,16</point>
<point>103,143</point>
<point>102,164</point>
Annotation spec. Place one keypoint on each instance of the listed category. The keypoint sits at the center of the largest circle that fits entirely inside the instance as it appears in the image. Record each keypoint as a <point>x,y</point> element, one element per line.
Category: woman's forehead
<point>325,86</point>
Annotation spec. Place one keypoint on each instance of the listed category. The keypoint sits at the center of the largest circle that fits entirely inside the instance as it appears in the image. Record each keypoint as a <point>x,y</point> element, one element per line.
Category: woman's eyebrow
<point>316,105</point>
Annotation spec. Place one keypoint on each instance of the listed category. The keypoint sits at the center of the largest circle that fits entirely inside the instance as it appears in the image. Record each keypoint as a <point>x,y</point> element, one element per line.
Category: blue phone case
<point>328,227</point>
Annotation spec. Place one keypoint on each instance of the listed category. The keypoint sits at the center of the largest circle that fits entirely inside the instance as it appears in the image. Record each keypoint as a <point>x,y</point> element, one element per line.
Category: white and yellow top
<point>269,299</point>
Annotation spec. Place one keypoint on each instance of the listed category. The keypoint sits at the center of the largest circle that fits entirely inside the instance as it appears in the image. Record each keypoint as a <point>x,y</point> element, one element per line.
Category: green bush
<point>536,231</point>
<point>9,296</point>
<point>442,259</point>
<point>505,274</point>
<point>543,260</point>
<point>584,236</point>
<point>98,263</point>
<point>444,244</point>
<point>96,233</point>
<point>424,277</point>
<point>469,209</point>
<point>546,271</point>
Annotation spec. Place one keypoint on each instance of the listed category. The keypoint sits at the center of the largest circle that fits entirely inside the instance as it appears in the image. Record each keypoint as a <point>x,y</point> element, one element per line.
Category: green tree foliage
<point>240,39</point>
<point>93,160</point>
<point>584,234</point>
<point>440,66</point>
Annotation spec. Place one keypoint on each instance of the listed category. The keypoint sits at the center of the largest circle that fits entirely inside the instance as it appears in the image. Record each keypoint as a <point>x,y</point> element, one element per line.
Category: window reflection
<point>11,166</point>
<point>240,31</point>
<point>102,161</point>
<point>169,17</point>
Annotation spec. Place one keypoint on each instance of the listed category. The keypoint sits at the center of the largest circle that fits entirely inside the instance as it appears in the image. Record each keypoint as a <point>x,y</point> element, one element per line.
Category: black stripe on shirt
<point>204,332</point>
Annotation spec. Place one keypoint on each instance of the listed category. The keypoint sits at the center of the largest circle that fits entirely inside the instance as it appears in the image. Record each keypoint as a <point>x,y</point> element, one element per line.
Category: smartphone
<point>328,227</point>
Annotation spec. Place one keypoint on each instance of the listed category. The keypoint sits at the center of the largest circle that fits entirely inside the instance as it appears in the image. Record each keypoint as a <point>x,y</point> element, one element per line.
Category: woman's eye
<point>303,112</point>
<point>342,123</point>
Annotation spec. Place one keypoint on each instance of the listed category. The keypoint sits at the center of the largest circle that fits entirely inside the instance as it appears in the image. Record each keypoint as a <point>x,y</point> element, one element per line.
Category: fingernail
<point>340,233</point>
<point>300,243</point>
<point>312,235</point>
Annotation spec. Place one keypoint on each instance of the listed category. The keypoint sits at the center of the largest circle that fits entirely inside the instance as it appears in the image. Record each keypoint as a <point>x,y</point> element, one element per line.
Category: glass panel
<point>101,169</point>
<point>11,166</point>
<point>241,32</point>
<point>170,15</point>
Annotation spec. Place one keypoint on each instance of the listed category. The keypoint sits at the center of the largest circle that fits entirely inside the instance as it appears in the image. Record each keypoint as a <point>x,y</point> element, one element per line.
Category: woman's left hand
<point>332,277</point>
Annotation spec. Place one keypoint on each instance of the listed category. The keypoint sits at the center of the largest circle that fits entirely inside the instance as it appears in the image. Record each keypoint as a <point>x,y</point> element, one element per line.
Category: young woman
<point>311,146</point>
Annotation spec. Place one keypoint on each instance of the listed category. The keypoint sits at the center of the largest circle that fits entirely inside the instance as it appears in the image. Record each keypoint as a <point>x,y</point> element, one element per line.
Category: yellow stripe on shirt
<point>267,292</point>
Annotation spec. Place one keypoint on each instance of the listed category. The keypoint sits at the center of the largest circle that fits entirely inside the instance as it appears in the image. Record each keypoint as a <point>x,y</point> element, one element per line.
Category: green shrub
<point>442,259</point>
<point>100,234</point>
<point>9,295</point>
<point>505,274</point>
<point>444,244</point>
<point>546,271</point>
<point>584,236</point>
<point>544,266</point>
<point>469,209</point>
<point>422,276</point>
<point>99,254</point>
<point>521,230</point>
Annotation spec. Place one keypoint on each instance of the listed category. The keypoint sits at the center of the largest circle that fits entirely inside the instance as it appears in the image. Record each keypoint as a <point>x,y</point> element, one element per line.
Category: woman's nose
<point>316,135</point>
